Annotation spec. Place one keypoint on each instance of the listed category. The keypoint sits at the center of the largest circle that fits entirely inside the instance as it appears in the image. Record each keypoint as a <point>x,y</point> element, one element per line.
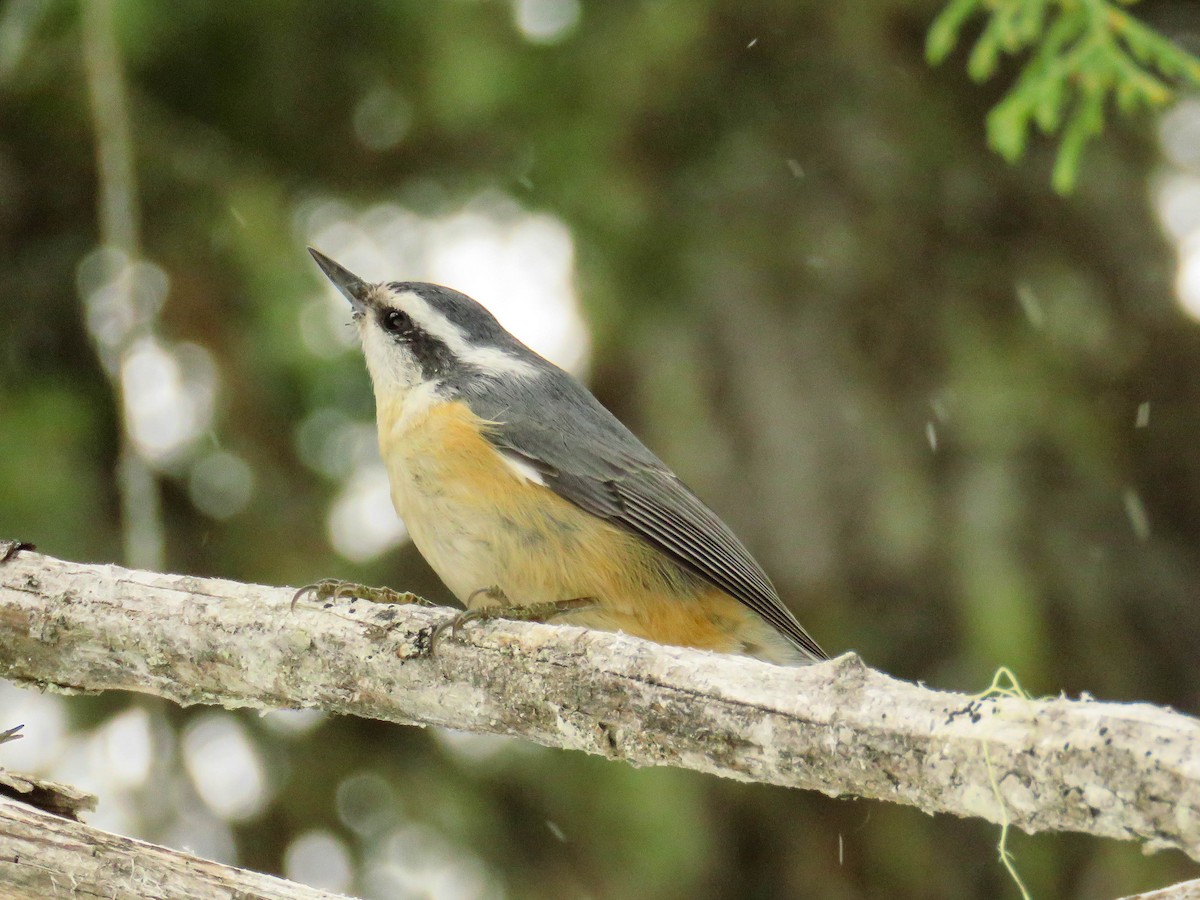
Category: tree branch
<point>42,855</point>
<point>1128,771</point>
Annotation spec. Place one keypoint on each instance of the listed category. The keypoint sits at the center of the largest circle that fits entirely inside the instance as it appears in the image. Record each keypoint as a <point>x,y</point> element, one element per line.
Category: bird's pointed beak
<point>351,286</point>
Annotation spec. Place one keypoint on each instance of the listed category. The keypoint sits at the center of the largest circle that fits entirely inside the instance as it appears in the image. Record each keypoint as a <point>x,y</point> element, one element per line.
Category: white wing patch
<point>521,468</point>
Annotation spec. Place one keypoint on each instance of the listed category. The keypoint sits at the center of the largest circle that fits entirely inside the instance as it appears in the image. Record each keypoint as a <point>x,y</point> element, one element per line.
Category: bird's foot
<point>505,609</point>
<point>331,589</point>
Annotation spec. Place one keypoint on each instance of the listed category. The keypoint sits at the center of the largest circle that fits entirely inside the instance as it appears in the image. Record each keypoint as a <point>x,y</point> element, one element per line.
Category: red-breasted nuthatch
<point>521,490</point>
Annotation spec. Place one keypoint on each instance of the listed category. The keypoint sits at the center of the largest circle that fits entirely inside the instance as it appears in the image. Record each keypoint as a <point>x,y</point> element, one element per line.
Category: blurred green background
<point>955,416</point>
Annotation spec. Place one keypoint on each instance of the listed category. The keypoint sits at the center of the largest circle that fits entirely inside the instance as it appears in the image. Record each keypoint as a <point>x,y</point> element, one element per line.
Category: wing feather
<point>586,456</point>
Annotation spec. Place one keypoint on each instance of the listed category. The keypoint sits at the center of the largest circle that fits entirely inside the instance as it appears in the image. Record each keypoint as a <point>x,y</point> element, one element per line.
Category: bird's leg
<point>334,589</point>
<point>505,609</point>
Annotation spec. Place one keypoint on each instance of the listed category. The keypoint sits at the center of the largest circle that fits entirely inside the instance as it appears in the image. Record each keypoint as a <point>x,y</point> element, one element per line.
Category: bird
<point>529,499</point>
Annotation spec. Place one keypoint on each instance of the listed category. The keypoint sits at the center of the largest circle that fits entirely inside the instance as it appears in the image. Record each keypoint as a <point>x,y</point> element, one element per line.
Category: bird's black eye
<point>395,321</point>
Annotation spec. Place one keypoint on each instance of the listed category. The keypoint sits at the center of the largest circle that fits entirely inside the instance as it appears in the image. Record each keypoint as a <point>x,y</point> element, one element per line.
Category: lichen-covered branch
<point>43,855</point>
<point>1117,770</point>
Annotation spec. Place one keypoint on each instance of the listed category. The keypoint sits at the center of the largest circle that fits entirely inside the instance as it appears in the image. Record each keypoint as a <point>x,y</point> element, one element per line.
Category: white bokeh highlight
<point>45,735</point>
<point>546,21</point>
<point>362,523</point>
<point>169,393</point>
<point>125,747</point>
<point>414,860</point>
<point>225,767</point>
<point>319,859</point>
<point>1176,195</point>
<point>168,390</point>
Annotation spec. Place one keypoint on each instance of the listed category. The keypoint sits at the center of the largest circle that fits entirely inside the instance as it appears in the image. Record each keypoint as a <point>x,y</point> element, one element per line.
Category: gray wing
<point>588,457</point>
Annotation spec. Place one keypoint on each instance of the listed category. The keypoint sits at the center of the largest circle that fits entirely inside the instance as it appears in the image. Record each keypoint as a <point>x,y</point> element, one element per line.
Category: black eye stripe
<point>430,353</point>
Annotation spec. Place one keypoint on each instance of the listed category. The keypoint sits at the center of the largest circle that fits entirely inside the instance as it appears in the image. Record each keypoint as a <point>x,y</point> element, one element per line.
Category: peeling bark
<point>49,796</point>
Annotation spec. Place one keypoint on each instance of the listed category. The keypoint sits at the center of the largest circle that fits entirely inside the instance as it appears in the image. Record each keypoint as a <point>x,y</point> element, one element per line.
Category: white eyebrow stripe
<point>492,360</point>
